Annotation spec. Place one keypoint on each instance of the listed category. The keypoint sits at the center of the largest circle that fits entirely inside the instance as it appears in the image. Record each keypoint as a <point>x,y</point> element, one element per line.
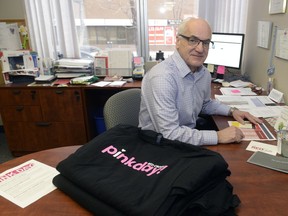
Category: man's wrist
<point>231,110</point>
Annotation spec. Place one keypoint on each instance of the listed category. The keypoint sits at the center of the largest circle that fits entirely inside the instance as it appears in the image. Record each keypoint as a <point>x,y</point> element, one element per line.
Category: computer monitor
<point>227,50</point>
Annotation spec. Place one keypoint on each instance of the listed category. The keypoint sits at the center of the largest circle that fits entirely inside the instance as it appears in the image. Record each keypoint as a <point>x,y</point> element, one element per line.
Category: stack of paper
<point>240,83</point>
<point>70,68</point>
<point>237,91</point>
<point>256,105</point>
<point>45,78</point>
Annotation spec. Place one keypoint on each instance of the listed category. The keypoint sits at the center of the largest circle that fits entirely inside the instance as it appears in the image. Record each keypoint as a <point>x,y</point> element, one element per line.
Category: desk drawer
<point>21,113</point>
<point>18,97</point>
<point>27,137</point>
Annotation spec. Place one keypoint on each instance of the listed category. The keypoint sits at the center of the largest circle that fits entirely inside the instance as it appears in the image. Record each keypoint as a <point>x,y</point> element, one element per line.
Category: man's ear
<point>177,41</point>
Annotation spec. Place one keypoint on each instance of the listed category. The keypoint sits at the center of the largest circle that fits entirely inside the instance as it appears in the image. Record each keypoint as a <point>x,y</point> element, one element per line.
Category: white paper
<point>262,147</point>
<point>101,83</point>
<point>265,112</point>
<point>282,44</point>
<point>117,83</point>
<point>276,95</point>
<point>28,182</point>
<point>231,100</point>
<point>264,33</point>
<point>9,37</point>
<point>239,83</point>
<point>237,91</point>
<point>282,120</point>
<point>264,99</point>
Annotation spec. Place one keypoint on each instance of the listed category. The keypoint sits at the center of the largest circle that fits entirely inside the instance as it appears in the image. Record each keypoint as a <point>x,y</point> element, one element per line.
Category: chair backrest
<point>122,108</point>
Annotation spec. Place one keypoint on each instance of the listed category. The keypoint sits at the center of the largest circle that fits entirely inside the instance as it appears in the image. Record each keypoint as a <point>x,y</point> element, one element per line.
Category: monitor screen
<point>227,50</point>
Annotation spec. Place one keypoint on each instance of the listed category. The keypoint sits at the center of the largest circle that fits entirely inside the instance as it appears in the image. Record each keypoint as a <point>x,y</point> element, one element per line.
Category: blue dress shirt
<point>172,99</point>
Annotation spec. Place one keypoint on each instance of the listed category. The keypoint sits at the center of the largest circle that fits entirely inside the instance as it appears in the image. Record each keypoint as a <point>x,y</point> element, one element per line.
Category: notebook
<point>278,163</point>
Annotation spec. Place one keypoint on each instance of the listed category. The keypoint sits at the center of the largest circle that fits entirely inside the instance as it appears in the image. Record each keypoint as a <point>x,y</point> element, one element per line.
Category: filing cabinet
<point>38,118</point>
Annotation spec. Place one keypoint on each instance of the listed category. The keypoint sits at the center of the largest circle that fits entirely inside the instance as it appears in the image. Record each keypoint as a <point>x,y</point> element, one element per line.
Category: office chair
<point>122,108</point>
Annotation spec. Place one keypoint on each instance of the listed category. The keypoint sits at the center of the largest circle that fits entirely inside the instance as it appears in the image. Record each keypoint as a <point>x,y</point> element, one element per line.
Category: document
<point>262,147</point>
<point>232,100</point>
<point>240,83</point>
<point>117,83</point>
<point>237,91</point>
<point>256,105</point>
<point>265,112</point>
<point>101,83</point>
<point>282,120</point>
<point>276,95</point>
<point>256,132</point>
<point>28,182</point>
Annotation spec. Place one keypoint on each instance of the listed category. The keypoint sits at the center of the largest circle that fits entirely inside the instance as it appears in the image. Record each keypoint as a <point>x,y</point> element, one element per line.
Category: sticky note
<point>210,67</point>
<point>221,69</point>
<point>235,91</point>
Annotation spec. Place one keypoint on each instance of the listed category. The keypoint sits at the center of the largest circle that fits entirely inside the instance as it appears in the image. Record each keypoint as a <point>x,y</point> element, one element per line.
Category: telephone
<point>138,71</point>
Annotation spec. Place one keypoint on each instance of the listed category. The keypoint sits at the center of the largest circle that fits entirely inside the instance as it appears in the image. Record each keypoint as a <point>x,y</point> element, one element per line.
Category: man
<point>177,90</point>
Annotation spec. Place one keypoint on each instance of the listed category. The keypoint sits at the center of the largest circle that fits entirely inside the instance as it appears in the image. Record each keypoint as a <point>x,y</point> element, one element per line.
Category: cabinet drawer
<point>60,104</point>
<point>27,137</point>
<point>21,113</point>
<point>19,96</point>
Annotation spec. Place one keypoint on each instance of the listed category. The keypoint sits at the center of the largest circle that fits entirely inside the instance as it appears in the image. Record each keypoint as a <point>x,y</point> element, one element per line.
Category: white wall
<point>12,9</point>
<point>256,58</point>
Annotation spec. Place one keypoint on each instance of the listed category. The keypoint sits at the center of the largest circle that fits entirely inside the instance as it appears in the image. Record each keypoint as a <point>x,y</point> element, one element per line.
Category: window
<point>106,24</point>
<point>75,28</point>
<point>163,19</point>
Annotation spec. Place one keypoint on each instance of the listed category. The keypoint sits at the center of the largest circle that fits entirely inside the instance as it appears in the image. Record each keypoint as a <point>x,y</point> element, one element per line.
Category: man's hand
<point>241,115</point>
<point>230,135</point>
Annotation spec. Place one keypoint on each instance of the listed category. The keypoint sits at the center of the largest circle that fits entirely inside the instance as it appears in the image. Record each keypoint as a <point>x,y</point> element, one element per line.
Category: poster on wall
<point>277,6</point>
<point>264,34</point>
<point>282,44</point>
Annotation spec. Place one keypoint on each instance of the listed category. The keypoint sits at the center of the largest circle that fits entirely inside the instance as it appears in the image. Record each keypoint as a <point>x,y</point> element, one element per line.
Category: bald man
<point>177,90</point>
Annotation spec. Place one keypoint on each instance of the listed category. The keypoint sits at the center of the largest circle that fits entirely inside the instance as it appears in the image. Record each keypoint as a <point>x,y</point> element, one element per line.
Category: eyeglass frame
<point>191,39</point>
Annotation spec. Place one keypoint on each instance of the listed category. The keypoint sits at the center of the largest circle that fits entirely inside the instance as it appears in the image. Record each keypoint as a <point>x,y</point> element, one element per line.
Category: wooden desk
<point>56,202</point>
<point>262,191</point>
<point>36,118</point>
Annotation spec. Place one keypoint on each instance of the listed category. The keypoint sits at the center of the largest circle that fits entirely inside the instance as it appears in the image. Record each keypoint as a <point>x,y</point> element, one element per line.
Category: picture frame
<point>277,6</point>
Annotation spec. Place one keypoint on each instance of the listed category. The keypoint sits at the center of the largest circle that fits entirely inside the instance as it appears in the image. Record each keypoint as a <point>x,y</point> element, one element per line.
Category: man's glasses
<point>194,41</point>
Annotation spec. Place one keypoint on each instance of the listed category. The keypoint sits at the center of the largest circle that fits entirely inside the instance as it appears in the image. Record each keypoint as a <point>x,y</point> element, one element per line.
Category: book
<point>273,162</point>
<point>45,79</point>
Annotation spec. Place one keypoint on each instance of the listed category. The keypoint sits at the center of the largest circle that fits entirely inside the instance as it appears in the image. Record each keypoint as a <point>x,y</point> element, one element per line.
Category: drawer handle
<point>16,92</point>
<point>19,108</point>
<point>59,91</point>
<point>33,95</point>
<point>43,124</point>
<point>77,95</point>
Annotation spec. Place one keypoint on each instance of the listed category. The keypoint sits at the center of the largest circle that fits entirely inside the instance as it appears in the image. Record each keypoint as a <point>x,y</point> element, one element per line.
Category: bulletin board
<point>281,47</point>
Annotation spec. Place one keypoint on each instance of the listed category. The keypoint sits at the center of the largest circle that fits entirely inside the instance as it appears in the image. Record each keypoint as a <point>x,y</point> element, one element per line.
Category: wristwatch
<point>232,109</point>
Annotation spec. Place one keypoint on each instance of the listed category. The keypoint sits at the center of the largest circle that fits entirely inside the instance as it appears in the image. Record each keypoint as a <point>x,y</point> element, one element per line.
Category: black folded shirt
<point>127,171</point>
